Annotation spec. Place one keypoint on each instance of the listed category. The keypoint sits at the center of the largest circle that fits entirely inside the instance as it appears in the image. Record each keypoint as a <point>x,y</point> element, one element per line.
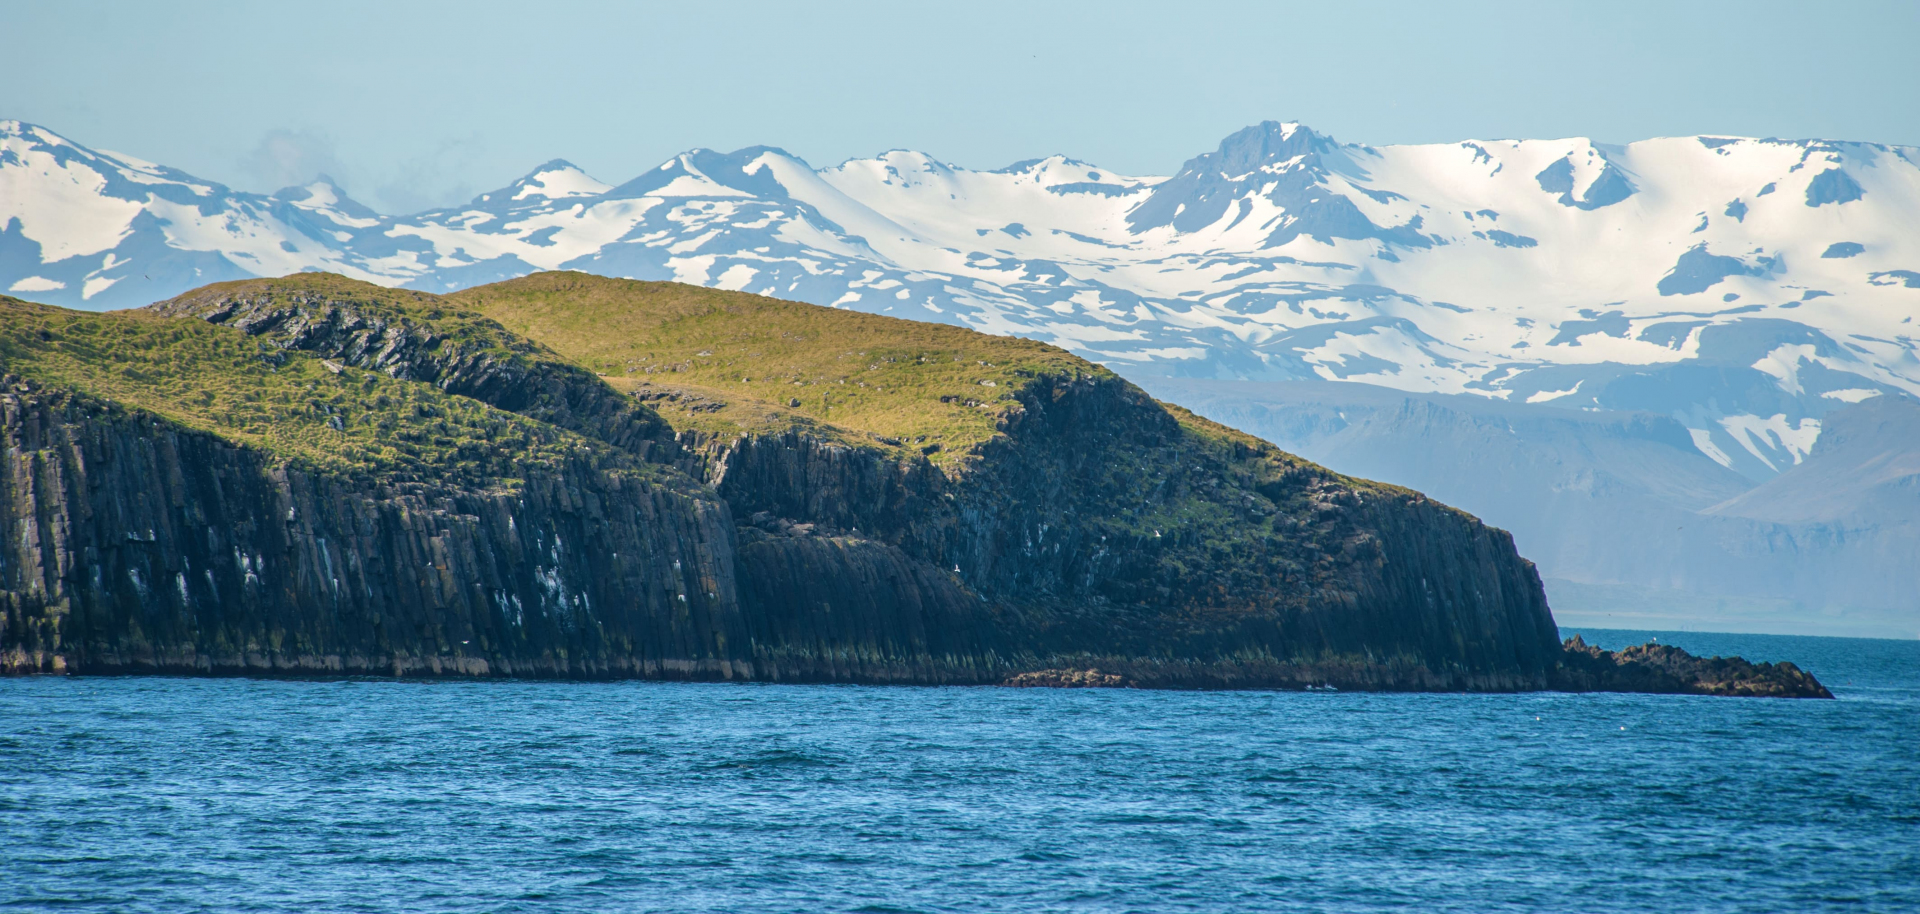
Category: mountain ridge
<point>1743,288</point>
<point>1409,279</point>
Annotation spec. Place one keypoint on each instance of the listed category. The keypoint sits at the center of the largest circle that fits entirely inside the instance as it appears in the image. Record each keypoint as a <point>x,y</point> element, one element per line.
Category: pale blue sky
<point>413,104</point>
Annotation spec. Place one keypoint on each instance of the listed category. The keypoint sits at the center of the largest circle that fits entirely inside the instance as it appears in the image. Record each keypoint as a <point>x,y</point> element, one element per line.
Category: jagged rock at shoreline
<point>314,476</point>
<point>1067,679</point>
<point>1665,668</point>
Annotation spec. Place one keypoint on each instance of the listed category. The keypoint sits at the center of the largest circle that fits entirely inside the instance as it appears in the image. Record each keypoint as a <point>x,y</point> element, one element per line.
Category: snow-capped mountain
<point>1744,287</point>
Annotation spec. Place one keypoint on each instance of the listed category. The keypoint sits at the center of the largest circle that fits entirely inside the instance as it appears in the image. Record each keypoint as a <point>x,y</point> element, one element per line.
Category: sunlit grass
<point>290,404</point>
<point>762,364</point>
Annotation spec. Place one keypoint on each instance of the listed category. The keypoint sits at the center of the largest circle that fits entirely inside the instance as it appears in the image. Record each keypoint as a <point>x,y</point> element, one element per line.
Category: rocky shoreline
<point>1649,668</point>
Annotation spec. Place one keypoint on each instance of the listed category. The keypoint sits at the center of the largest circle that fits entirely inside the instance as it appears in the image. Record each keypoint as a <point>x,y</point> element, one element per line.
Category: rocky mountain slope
<point>1865,466</point>
<point>253,498</point>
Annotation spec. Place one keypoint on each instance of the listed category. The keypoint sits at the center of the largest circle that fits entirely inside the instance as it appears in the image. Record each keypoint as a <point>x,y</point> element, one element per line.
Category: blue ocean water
<point>145,794</point>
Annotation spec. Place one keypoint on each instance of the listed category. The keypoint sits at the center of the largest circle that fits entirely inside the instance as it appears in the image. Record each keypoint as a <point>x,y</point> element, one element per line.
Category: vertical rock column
<point>135,546</point>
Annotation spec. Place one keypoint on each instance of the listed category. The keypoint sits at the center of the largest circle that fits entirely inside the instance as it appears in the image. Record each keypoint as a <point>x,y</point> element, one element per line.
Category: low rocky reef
<point>1646,668</point>
<point>1662,668</point>
<point>1068,679</point>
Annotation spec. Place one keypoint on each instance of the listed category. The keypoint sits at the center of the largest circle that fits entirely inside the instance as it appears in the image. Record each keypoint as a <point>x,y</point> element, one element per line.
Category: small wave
<point>1045,856</point>
<point>778,758</point>
<point>1149,819</point>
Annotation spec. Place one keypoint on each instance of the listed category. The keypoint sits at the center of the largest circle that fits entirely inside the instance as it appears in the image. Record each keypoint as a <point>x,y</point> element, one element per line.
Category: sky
<point>419,104</point>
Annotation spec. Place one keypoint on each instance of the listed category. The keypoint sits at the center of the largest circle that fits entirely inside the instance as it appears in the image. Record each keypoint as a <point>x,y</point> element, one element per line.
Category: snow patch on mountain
<point>1743,287</point>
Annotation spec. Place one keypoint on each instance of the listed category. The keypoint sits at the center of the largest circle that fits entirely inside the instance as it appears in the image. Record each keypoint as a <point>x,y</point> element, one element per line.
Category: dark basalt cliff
<point>1094,537</point>
<point>133,545</point>
<point>1101,531</point>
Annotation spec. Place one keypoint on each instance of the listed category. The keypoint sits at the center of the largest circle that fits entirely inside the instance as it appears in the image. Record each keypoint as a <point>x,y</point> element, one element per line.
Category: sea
<point>177,795</point>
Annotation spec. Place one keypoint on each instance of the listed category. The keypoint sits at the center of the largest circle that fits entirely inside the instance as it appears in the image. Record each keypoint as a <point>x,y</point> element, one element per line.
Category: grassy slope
<point>726,362</point>
<point>288,404</point>
<point>735,360</point>
<point>710,360</point>
<point>729,362</point>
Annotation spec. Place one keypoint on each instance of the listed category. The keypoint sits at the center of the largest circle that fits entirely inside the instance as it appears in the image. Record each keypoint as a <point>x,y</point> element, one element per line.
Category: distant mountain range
<point>1736,295</point>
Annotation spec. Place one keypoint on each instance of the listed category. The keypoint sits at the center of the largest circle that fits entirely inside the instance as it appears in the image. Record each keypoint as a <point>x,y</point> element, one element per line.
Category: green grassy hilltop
<point>730,362</point>
<point>734,363</point>
<point>303,409</point>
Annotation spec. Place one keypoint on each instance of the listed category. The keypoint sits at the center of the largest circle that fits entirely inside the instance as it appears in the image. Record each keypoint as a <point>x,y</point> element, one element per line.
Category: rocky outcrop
<point>1662,668</point>
<point>129,544</point>
<point>413,336</point>
<point>1067,679</point>
<point>863,567</point>
<point>1096,525</point>
<point>826,608</point>
<point>1101,529</point>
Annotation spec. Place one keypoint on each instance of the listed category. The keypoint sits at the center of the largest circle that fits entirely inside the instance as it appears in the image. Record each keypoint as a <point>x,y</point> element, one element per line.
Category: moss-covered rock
<point>415,336</point>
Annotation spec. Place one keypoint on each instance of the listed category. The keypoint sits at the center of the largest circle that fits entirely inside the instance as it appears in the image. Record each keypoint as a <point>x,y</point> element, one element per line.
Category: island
<point>571,476</point>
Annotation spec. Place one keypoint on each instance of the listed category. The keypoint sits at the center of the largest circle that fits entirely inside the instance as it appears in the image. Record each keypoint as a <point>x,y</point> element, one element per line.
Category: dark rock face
<point>461,354</point>
<point>132,545</point>
<point>1020,560</point>
<point>135,546</point>
<point>1833,186</point>
<point>845,609</point>
<point>1666,669</point>
<point>1697,271</point>
<point>1612,186</point>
